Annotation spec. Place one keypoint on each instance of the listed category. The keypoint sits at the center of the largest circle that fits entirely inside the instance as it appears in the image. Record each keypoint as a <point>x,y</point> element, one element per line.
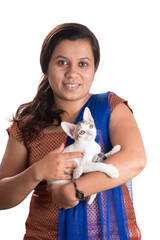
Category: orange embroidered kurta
<point>42,220</point>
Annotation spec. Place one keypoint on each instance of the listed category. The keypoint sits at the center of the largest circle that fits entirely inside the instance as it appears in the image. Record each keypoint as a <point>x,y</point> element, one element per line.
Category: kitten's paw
<point>91,198</point>
<point>116,149</point>
<point>112,171</point>
<point>77,172</point>
<point>99,157</point>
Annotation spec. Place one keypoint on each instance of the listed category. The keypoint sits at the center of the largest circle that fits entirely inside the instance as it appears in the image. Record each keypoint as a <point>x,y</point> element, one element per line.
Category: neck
<point>71,108</point>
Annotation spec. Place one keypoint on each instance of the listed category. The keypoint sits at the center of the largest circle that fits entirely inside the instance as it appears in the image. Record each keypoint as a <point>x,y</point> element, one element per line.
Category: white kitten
<point>84,134</point>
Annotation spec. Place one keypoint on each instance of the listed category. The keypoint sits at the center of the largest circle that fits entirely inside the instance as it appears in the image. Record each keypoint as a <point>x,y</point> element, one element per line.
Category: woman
<point>69,59</point>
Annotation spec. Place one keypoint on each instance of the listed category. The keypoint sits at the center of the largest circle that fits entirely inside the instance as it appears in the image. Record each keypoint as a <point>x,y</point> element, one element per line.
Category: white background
<point>129,36</point>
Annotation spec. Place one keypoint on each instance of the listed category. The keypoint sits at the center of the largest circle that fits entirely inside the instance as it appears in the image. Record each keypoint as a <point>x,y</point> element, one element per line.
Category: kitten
<point>84,134</point>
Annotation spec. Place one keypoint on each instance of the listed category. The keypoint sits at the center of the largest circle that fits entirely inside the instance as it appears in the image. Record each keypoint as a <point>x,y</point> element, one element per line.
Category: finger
<point>48,188</point>
<point>69,171</point>
<point>67,177</point>
<point>59,149</point>
<point>71,205</point>
<point>70,164</point>
<point>71,155</point>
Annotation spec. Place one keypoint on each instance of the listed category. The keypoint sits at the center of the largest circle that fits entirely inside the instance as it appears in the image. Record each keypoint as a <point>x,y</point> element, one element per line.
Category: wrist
<point>36,172</point>
<point>79,193</point>
<point>70,191</point>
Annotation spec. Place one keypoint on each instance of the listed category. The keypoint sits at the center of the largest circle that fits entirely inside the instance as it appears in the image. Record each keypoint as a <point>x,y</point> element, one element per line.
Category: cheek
<point>54,76</point>
<point>89,75</point>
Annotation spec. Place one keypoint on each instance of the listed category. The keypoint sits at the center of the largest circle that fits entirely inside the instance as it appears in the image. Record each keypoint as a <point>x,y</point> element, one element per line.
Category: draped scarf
<point>106,217</point>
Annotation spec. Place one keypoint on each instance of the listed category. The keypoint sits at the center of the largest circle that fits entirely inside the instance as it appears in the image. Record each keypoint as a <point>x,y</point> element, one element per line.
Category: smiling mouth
<point>70,86</point>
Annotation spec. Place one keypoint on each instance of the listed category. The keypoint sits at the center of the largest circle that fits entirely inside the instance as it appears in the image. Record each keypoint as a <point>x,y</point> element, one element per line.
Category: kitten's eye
<point>91,126</point>
<point>82,132</point>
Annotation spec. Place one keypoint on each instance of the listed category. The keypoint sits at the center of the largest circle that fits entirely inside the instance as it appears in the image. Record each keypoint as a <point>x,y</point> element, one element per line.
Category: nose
<point>72,71</point>
<point>90,133</point>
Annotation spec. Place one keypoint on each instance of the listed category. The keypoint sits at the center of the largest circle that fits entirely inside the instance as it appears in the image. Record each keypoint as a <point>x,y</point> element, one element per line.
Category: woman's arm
<point>17,180</point>
<point>130,161</point>
<point>14,176</point>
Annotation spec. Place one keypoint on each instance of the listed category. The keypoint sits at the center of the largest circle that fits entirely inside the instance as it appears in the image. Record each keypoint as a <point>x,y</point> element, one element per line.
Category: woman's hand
<point>63,195</point>
<point>52,167</point>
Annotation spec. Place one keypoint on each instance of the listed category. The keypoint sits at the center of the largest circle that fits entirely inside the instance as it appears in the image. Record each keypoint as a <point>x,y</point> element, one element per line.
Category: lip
<point>71,86</point>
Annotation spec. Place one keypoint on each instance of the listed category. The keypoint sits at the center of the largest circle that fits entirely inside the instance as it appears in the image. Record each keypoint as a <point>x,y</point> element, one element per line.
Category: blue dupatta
<point>106,217</point>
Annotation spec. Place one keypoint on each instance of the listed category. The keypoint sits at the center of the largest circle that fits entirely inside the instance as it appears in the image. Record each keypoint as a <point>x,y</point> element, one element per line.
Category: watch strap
<point>79,193</point>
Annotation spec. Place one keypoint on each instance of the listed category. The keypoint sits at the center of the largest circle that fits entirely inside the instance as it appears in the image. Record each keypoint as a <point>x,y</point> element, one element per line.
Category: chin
<point>75,97</point>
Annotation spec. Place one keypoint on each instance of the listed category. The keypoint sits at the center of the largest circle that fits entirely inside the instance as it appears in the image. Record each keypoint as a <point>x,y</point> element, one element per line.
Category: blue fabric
<point>105,218</point>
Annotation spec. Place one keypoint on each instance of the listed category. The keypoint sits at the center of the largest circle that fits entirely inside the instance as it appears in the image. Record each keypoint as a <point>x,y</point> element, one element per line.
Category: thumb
<point>59,149</point>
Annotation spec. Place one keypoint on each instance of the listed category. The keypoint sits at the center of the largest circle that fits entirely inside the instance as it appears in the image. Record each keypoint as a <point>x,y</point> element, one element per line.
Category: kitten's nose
<point>90,133</point>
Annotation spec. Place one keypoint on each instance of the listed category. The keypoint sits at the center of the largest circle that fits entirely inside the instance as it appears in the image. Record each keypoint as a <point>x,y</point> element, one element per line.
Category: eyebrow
<point>83,58</point>
<point>61,57</point>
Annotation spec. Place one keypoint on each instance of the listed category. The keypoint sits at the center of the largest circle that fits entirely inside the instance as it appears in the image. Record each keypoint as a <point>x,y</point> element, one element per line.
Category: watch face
<point>79,194</point>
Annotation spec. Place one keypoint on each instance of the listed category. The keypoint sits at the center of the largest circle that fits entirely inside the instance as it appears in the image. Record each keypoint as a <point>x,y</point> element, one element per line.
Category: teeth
<point>72,85</point>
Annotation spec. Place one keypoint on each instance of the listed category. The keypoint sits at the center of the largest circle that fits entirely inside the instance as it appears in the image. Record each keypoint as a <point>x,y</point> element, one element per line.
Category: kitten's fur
<point>84,134</point>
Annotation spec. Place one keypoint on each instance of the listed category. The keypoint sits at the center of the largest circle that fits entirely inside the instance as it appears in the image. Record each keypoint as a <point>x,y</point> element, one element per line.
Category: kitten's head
<point>82,130</point>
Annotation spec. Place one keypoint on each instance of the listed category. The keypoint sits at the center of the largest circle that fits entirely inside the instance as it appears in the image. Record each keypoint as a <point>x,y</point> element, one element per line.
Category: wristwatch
<point>79,193</point>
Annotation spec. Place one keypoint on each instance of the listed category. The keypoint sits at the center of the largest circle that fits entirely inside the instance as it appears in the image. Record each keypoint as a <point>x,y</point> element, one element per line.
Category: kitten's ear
<point>87,116</point>
<point>68,128</point>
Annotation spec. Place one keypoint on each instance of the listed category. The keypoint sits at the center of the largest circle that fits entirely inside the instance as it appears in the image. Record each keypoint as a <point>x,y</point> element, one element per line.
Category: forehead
<point>83,124</point>
<point>80,48</point>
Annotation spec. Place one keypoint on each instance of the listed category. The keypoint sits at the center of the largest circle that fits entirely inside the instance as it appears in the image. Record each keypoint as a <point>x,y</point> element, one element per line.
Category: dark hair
<point>70,31</point>
<point>34,116</point>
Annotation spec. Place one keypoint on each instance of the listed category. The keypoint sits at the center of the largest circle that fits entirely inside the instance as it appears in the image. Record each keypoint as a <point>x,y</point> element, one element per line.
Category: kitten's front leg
<point>100,157</point>
<point>114,150</point>
<point>78,171</point>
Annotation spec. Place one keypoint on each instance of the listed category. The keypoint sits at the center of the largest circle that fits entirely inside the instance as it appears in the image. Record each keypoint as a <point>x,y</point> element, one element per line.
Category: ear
<point>87,116</point>
<point>68,128</point>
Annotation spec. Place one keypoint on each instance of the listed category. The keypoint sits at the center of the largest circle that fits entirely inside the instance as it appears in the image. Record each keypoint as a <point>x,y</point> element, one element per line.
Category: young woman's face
<point>71,70</point>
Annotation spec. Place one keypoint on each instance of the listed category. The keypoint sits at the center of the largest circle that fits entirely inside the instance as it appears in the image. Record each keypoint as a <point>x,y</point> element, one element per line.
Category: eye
<point>82,132</point>
<point>83,64</point>
<point>62,62</point>
<point>91,126</point>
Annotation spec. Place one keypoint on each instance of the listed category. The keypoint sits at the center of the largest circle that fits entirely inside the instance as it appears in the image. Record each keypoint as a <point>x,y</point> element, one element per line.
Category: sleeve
<point>114,100</point>
<point>15,132</point>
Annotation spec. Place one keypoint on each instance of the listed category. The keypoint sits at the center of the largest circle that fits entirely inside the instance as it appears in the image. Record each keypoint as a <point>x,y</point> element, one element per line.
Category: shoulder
<point>112,99</point>
<point>115,100</point>
<point>15,132</point>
